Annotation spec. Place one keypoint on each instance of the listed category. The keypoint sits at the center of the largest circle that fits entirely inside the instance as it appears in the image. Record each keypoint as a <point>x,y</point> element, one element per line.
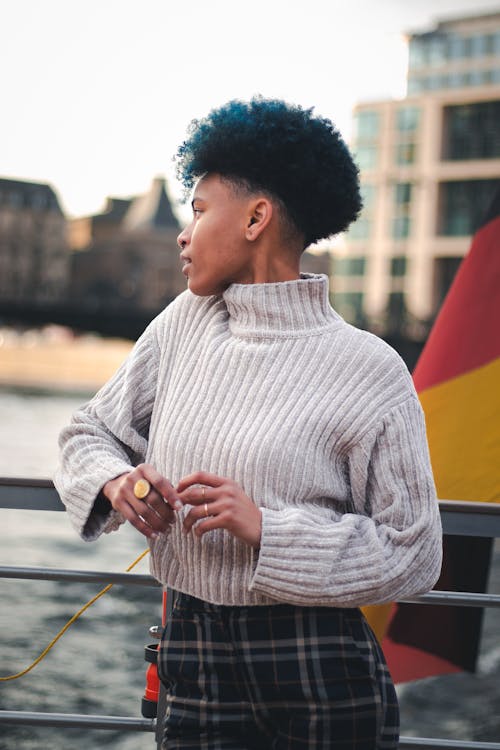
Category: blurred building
<point>127,256</point>
<point>34,263</point>
<point>316,262</point>
<point>430,164</point>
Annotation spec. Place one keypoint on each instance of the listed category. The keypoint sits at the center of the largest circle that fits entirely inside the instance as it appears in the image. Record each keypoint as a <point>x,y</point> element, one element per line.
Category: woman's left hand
<point>219,503</point>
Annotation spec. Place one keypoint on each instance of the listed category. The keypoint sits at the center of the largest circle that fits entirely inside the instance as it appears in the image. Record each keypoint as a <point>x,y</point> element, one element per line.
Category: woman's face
<point>215,251</point>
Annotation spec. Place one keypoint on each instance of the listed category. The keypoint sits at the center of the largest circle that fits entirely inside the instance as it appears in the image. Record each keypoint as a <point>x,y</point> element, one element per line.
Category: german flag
<point>458,381</point>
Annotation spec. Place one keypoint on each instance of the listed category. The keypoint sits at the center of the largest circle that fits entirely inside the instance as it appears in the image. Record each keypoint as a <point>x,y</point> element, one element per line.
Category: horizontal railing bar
<point>459,598</point>
<point>81,576</point>
<point>458,517</point>
<point>465,506</point>
<point>92,721</point>
<point>132,724</point>
<point>470,518</point>
<point>29,494</point>
<point>26,482</point>
<point>437,744</point>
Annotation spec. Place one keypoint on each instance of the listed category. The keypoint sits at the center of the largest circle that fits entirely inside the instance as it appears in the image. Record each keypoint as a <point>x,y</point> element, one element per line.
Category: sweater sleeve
<point>388,549</point>
<point>108,437</point>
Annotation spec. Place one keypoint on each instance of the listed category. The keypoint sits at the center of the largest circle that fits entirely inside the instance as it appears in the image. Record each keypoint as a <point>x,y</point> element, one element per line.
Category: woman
<point>274,456</point>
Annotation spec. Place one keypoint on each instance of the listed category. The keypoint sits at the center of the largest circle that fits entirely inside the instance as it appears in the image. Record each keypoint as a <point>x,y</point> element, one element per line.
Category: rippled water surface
<point>98,666</point>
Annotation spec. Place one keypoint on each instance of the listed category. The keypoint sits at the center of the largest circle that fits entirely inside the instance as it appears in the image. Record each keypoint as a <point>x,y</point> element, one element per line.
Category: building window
<point>418,53</point>
<point>350,306</point>
<point>349,266</point>
<point>455,80</point>
<point>396,311</point>
<point>455,47</point>
<point>402,193</point>
<point>362,227</point>
<point>477,77</point>
<point>479,45</point>
<point>15,199</point>
<point>38,201</point>
<point>397,306</point>
<point>405,153</point>
<point>415,85</point>
<point>402,210</point>
<point>463,205</point>
<point>436,82</point>
<point>471,131</point>
<point>366,125</point>
<point>407,119</point>
<point>366,156</point>
<point>437,50</point>
<point>398,266</point>
<point>445,270</point>
<point>401,227</point>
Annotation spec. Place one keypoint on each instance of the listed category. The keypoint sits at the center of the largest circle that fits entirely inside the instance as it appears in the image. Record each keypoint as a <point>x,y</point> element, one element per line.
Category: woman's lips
<point>186,262</point>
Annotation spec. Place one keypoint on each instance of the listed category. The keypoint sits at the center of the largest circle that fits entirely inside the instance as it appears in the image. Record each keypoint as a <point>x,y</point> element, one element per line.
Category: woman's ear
<point>259,216</point>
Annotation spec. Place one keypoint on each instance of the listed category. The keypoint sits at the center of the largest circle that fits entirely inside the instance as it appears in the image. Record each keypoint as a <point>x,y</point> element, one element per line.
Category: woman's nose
<point>182,239</point>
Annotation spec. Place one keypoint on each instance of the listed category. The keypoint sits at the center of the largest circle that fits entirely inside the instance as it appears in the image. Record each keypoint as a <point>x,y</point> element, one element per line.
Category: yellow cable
<point>69,623</point>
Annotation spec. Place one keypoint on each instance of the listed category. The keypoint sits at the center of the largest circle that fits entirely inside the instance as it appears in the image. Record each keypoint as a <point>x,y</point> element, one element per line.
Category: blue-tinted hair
<point>283,150</point>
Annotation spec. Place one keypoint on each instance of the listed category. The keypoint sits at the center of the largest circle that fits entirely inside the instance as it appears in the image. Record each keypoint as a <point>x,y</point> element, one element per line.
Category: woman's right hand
<point>152,515</point>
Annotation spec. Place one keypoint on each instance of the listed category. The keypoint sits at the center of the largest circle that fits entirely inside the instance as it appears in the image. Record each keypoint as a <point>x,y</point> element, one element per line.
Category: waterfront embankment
<point>54,359</point>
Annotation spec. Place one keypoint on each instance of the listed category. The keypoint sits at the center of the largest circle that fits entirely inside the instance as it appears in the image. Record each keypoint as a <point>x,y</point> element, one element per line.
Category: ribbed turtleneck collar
<point>286,309</point>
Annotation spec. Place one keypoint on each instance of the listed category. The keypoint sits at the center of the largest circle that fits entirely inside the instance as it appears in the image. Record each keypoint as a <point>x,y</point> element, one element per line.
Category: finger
<point>198,495</point>
<point>208,524</point>
<point>201,513</point>
<point>158,505</point>
<point>200,477</point>
<point>150,518</point>
<point>159,520</point>
<point>161,484</point>
<point>153,519</point>
<point>132,517</point>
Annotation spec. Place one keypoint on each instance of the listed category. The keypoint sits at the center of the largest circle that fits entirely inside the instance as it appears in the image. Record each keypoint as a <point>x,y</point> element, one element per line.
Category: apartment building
<point>430,165</point>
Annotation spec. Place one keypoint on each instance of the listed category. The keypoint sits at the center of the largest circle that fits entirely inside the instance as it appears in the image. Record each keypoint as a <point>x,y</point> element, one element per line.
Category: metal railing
<point>460,518</point>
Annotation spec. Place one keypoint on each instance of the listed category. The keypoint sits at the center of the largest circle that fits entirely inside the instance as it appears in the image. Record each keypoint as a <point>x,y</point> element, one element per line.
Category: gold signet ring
<point>142,488</point>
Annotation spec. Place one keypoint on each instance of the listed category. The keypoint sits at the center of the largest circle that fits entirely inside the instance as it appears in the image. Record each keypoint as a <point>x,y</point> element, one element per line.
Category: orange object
<point>149,707</point>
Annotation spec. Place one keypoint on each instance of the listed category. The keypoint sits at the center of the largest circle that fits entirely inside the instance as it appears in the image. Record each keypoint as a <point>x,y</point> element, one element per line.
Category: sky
<point>96,95</point>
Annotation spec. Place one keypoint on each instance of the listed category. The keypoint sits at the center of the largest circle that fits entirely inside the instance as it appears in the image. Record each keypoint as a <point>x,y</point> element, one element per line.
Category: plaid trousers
<point>278,677</point>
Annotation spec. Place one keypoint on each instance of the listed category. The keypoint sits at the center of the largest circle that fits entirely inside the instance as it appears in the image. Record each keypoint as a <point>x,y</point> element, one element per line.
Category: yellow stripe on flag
<point>463,430</point>
<point>378,618</point>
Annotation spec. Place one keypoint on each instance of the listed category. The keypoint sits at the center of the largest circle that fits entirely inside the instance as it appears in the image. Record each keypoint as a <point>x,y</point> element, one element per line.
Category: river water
<point>98,666</point>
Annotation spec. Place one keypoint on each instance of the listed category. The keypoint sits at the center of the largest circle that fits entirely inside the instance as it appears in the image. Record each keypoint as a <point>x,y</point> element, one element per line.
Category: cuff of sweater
<point>90,523</point>
<point>286,567</point>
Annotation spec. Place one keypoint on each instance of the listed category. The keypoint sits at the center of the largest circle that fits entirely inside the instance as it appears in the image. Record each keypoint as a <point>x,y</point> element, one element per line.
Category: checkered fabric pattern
<point>280,677</point>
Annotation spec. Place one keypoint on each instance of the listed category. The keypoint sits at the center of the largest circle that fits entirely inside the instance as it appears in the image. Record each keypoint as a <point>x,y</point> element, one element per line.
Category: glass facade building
<point>430,165</point>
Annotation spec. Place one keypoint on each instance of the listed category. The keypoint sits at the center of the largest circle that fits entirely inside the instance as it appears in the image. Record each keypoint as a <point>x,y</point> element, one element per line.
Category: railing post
<point>162,695</point>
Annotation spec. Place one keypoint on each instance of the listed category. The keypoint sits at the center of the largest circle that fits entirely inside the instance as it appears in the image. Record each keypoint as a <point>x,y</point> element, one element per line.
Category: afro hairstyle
<point>281,149</point>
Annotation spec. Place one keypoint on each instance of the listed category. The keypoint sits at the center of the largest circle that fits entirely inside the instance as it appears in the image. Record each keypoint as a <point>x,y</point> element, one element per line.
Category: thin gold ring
<point>203,492</point>
<point>206,510</point>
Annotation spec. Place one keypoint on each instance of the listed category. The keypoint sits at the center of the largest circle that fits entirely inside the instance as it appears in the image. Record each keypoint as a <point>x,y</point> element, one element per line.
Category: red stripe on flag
<point>466,333</point>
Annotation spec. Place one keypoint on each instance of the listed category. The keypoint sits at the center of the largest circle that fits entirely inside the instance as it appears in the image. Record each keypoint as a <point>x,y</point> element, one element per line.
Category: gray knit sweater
<point>317,421</point>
